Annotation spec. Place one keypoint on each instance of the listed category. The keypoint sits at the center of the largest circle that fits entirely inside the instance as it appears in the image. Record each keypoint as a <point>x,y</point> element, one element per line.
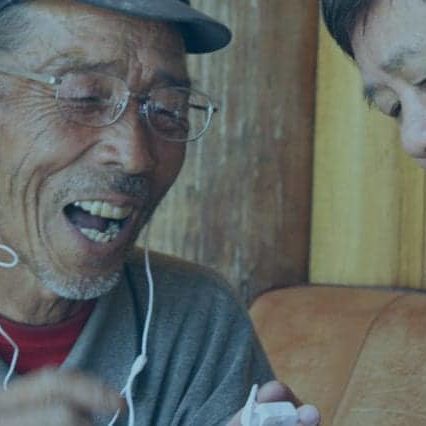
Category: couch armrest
<point>358,354</point>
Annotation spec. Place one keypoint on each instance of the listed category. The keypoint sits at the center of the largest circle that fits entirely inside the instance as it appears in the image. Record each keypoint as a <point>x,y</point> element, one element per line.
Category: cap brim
<point>201,33</point>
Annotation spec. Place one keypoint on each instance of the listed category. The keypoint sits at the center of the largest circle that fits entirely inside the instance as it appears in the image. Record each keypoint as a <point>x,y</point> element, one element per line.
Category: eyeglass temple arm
<point>42,78</point>
<point>213,109</point>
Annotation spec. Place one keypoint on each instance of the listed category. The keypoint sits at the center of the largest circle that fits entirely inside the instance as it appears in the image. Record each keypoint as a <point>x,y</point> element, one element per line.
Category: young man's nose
<point>413,130</point>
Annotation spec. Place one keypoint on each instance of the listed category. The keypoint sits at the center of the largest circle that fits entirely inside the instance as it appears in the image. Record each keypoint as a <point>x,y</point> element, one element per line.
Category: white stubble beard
<point>78,287</point>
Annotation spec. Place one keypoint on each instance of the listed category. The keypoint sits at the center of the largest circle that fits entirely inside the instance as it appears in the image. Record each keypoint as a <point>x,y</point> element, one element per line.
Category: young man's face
<point>58,179</point>
<point>390,50</point>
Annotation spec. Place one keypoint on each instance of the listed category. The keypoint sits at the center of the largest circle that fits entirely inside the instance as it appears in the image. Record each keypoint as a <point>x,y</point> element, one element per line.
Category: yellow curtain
<point>368,196</point>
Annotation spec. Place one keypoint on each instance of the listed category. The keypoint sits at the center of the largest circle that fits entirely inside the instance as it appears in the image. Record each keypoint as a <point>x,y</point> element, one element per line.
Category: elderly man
<point>387,39</point>
<point>95,109</point>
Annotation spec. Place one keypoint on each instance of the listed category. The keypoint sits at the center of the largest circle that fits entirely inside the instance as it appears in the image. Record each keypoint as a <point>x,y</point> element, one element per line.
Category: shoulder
<point>175,278</point>
<point>201,341</point>
<point>192,302</point>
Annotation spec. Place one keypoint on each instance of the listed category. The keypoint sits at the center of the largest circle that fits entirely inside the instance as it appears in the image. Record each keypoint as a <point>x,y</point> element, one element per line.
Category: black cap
<point>201,33</point>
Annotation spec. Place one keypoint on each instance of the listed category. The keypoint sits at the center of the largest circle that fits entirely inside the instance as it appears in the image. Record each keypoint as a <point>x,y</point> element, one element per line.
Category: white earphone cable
<point>12,253</point>
<point>14,358</point>
<point>247,414</point>
<point>142,359</point>
<point>12,366</point>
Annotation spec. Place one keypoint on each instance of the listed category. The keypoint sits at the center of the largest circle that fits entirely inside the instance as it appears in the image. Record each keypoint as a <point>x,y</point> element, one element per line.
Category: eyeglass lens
<point>97,100</point>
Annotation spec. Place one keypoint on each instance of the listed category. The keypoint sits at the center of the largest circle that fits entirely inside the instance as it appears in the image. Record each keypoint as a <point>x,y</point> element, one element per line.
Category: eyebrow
<point>67,62</point>
<point>162,76</point>
<point>393,65</point>
<point>73,63</point>
<point>398,60</point>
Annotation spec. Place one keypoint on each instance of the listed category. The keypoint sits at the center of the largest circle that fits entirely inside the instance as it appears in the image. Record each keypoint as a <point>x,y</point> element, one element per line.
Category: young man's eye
<point>395,111</point>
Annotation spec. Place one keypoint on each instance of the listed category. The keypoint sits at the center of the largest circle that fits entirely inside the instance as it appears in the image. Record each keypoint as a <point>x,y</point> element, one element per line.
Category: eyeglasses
<point>92,99</point>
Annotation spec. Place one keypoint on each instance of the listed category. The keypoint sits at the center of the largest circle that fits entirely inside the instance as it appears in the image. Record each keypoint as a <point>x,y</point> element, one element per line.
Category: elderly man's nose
<point>130,147</point>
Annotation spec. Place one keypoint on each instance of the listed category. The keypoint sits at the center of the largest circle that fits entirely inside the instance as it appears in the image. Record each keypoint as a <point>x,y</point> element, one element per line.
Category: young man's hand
<point>274,392</point>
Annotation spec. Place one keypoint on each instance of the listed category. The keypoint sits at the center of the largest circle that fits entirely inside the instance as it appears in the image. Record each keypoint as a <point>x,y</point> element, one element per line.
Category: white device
<point>268,414</point>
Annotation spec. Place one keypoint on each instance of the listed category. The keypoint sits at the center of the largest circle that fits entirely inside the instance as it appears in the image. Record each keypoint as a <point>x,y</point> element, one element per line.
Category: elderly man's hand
<point>56,398</point>
<point>275,391</point>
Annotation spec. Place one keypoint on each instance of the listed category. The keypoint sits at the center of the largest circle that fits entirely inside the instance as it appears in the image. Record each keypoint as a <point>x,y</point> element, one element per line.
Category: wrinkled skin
<point>47,162</point>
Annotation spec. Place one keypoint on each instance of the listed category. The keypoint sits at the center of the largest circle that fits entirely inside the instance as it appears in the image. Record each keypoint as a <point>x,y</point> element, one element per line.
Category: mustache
<point>135,186</point>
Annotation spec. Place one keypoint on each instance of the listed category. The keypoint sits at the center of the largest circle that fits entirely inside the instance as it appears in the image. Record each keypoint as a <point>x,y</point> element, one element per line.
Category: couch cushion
<point>358,354</point>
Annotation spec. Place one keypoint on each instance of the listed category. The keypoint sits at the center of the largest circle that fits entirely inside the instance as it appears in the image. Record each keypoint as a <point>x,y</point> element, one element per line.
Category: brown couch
<point>358,354</point>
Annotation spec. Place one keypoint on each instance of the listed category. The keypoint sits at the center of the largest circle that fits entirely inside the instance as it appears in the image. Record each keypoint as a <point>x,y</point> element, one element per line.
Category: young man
<point>387,40</point>
<point>95,112</point>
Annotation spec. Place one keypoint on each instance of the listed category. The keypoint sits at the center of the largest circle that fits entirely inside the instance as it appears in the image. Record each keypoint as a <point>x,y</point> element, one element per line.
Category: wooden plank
<point>242,203</point>
<point>411,256</point>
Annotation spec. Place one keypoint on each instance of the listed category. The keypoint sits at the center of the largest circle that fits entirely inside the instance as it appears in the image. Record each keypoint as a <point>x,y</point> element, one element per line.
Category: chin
<point>79,287</point>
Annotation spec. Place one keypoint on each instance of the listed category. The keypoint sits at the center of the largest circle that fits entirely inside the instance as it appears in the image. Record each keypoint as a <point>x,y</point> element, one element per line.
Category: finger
<point>275,391</point>
<point>308,415</point>
<point>236,420</point>
<point>51,387</point>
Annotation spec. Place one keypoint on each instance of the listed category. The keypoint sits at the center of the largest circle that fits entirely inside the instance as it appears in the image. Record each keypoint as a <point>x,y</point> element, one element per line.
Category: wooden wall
<point>369,199</point>
<point>242,203</point>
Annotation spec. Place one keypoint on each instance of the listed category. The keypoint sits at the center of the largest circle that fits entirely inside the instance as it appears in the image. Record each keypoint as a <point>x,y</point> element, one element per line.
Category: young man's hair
<point>341,16</point>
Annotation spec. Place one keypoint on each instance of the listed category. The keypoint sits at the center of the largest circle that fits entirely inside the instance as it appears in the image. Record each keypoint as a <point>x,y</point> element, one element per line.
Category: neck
<point>25,300</point>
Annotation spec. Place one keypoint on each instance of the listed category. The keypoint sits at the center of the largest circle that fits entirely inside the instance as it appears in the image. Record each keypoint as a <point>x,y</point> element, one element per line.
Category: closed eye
<point>421,84</point>
<point>394,111</point>
<point>87,99</point>
<point>385,100</point>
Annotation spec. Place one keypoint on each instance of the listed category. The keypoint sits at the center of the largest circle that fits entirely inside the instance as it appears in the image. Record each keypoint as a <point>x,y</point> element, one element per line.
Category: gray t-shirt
<point>203,355</point>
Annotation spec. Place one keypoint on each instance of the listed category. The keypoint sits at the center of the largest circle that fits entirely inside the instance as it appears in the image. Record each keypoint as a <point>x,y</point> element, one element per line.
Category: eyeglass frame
<point>55,81</point>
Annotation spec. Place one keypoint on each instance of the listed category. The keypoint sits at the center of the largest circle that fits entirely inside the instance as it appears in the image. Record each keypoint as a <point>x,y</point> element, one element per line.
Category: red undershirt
<point>42,346</point>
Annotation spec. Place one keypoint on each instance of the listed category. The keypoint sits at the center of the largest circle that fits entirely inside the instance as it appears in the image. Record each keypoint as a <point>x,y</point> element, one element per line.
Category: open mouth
<point>99,221</point>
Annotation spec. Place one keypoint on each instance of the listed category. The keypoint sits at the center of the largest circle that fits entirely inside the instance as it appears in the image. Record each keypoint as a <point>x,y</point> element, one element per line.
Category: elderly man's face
<point>56,177</point>
<point>391,53</point>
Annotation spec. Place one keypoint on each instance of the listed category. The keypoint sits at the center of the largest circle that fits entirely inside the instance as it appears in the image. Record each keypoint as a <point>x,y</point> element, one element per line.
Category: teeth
<point>96,208</point>
<point>102,237</point>
<point>104,209</point>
